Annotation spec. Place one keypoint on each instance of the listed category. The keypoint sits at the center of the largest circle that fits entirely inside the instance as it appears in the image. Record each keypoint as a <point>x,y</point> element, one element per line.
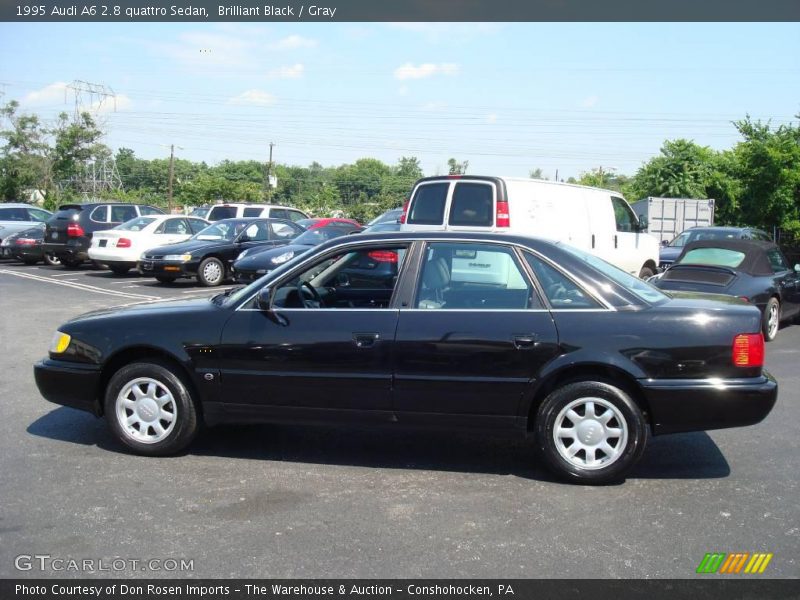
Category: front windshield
<point>219,231</point>
<point>680,241</point>
<point>641,289</point>
<point>136,224</point>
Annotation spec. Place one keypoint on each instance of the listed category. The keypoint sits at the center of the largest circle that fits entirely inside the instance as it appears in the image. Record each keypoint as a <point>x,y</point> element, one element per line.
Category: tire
<point>646,272</point>
<point>142,392</point>
<point>771,319</point>
<point>211,272</point>
<point>71,263</point>
<point>165,279</point>
<point>52,260</point>
<point>119,270</point>
<point>590,464</point>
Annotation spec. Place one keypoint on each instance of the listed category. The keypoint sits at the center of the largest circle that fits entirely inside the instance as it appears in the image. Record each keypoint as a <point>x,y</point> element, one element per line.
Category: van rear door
<point>454,203</point>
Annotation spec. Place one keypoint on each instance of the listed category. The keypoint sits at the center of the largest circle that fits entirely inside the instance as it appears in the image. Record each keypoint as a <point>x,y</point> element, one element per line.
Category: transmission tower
<point>97,174</point>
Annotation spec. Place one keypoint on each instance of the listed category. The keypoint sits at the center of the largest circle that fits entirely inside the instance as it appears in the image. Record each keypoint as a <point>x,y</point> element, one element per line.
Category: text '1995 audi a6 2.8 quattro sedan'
<point>470,330</point>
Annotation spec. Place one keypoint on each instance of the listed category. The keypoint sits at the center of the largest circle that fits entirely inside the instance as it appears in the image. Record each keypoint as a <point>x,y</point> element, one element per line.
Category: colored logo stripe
<point>723,563</point>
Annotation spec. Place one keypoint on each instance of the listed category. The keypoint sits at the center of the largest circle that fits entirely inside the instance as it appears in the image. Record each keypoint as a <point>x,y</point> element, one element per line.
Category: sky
<point>507,97</point>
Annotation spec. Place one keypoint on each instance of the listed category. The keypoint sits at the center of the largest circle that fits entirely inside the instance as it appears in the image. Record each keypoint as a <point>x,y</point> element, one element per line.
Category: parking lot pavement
<point>290,501</point>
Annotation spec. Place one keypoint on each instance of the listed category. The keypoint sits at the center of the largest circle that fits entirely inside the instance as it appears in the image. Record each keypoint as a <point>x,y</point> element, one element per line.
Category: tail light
<point>26,242</point>
<point>74,230</point>
<point>501,217</point>
<point>384,256</point>
<point>748,350</point>
<point>402,218</point>
<point>123,243</point>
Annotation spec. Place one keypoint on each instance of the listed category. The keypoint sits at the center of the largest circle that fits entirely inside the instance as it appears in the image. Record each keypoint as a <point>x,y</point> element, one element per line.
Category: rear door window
<point>427,206</point>
<point>100,214</point>
<point>252,211</point>
<point>296,215</point>
<point>278,213</point>
<point>472,205</point>
<point>560,290</point>
<point>120,214</point>
<point>13,214</point>
<point>38,215</point>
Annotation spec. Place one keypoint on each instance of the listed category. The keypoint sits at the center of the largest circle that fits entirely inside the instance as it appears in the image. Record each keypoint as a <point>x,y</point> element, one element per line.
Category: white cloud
<point>254,97</point>
<point>590,101</point>
<point>50,93</point>
<point>108,105</point>
<point>410,71</point>
<point>491,118</point>
<point>293,42</point>
<point>293,72</point>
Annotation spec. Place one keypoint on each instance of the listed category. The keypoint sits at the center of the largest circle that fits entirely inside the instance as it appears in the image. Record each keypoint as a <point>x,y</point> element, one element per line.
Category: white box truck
<point>667,217</point>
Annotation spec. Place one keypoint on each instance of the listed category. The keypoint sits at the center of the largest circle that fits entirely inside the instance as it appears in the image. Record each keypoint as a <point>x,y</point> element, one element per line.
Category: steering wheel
<point>315,301</point>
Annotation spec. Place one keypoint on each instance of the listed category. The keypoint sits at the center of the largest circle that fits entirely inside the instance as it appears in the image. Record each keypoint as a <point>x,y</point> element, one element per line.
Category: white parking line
<point>79,286</point>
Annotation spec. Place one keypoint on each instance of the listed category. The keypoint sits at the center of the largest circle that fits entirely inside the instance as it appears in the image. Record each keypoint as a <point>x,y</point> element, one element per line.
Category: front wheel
<point>211,272</point>
<point>52,260</point>
<point>150,409</point>
<point>771,319</point>
<point>590,432</point>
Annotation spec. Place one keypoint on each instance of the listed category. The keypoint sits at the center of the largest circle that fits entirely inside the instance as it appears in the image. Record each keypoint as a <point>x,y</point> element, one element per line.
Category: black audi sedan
<point>209,254</point>
<point>476,331</point>
<point>755,271</point>
<point>255,262</point>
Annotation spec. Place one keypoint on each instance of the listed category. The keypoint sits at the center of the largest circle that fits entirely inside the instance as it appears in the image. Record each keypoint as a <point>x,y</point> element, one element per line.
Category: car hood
<point>189,246</point>
<point>262,260</point>
<point>147,309</point>
<point>669,253</point>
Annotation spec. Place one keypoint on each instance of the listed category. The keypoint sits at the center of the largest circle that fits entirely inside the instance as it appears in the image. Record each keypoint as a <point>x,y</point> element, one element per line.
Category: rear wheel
<point>150,409</point>
<point>119,270</point>
<point>590,432</point>
<point>771,319</point>
<point>211,272</point>
<point>52,260</point>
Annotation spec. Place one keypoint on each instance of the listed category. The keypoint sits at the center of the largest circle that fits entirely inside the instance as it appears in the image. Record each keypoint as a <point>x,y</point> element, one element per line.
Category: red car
<point>319,222</point>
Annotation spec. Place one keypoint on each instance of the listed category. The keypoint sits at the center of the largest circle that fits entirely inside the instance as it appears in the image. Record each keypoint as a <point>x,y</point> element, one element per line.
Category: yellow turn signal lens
<point>60,342</point>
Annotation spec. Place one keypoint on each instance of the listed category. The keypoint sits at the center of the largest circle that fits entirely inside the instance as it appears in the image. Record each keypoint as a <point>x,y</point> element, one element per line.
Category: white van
<point>596,220</point>
<point>237,210</point>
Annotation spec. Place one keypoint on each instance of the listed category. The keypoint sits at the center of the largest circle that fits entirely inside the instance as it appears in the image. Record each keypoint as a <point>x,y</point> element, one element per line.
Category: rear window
<point>218,213</point>
<point>67,213</point>
<point>472,205</point>
<point>427,207</point>
<point>717,257</point>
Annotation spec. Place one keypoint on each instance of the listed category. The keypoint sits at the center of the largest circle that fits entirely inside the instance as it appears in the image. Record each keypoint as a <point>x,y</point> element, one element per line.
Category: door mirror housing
<point>264,298</point>
<point>243,238</point>
<point>643,223</point>
<point>665,243</point>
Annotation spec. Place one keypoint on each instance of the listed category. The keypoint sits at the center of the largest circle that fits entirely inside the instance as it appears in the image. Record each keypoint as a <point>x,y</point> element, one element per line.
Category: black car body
<point>24,245</point>
<point>753,270</point>
<point>481,331</point>
<point>669,252</point>
<point>255,262</point>
<point>68,233</point>
<point>209,254</point>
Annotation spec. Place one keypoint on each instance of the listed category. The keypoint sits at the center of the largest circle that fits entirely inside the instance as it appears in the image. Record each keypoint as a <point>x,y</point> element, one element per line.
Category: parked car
<point>238,210</point>
<point>598,221</point>
<point>324,222</point>
<point>25,245</point>
<point>755,271</point>
<point>491,332</point>
<point>669,252</point>
<point>119,248</point>
<point>200,211</point>
<point>209,254</point>
<point>17,216</point>
<point>68,233</point>
<point>390,216</point>
<point>385,226</point>
<point>255,262</point>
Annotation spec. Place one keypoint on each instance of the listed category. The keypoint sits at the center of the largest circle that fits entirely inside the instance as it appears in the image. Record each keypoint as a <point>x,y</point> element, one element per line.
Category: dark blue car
<point>671,251</point>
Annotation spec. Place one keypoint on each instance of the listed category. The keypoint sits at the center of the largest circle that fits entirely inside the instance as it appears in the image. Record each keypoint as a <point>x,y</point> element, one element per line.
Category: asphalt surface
<point>292,501</point>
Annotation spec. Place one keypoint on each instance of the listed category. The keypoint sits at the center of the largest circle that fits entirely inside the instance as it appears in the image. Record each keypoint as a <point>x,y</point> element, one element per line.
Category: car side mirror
<point>243,238</point>
<point>642,223</point>
<point>664,243</point>
<point>264,298</point>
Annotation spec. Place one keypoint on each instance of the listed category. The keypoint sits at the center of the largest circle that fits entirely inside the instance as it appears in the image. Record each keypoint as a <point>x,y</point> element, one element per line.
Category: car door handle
<point>365,340</point>
<point>523,342</point>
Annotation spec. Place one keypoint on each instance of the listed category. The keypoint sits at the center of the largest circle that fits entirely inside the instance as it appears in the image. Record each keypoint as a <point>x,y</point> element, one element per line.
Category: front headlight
<point>60,342</point>
<point>282,258</point>
<point>179,257</point>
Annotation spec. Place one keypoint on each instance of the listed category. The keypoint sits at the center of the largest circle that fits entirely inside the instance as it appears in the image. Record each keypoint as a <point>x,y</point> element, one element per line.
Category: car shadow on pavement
<point>681,456</point>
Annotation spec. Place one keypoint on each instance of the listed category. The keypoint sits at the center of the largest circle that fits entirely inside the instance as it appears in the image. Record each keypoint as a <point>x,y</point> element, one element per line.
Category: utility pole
<point>171,174</point>
<point>267,181</point>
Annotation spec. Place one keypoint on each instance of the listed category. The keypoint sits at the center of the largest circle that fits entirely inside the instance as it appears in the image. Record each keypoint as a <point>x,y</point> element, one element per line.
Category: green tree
<point>457,168</point>
<point>25,158</point>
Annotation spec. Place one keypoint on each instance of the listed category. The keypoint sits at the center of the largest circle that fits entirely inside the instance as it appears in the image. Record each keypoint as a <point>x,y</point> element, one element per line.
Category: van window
<point>427,208</point>
<point>150,210</point>
<point>296,215</point>
<point>218,213</point>
<point>278,213</point>
<point>252,211</point>
<point>472,205</point>
<point>623,215</point>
